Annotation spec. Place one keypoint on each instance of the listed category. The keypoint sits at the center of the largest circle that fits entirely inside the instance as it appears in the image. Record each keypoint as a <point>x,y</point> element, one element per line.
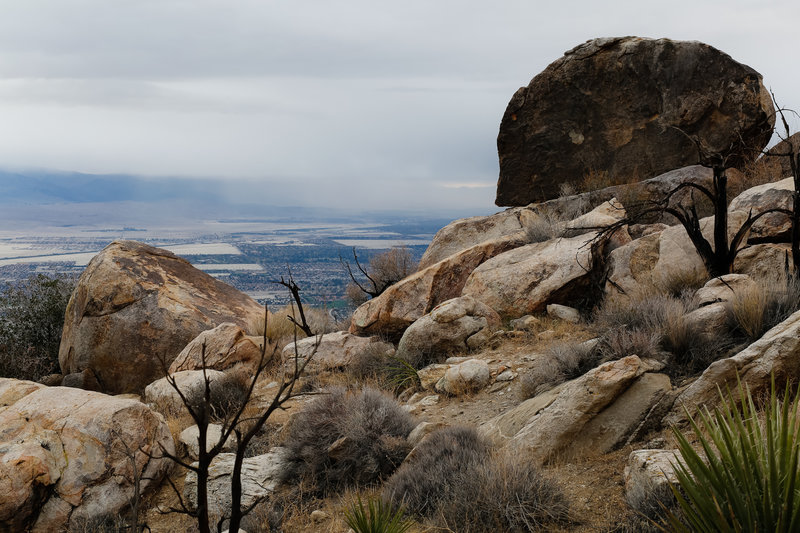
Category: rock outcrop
<point>136,306</point>
<point>455,326</point>
<point>526,279</point>
<point>409,299</point>
<point>772,227</point>
<point>555,422</point>
<point>334,350</point>
<point>624,106</point>
<point>65,455</point>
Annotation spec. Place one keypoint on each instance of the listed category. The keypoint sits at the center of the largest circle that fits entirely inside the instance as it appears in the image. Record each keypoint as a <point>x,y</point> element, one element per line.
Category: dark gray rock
<point>619,106</point>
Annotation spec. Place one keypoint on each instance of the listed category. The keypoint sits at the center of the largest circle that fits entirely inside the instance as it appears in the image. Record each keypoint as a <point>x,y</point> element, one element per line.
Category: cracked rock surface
<point>68,456</point>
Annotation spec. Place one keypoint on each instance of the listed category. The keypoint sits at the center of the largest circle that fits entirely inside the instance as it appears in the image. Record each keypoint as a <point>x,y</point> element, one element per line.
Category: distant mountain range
<point>46,187</point>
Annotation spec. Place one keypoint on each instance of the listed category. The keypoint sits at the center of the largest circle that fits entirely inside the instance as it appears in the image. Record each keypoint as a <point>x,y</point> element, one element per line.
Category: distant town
<point>249,255</point>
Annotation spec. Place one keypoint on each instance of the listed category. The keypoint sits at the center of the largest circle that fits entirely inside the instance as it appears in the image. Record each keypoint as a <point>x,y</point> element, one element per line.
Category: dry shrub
<point>644,309</point>
<point>425,478</point>
<point>545,226</point>
<point>383,270</point>
<point>503,494</point>
<point>622,342</point>
<point>281,330</point>
<point>455,481</point>
<point>559,362</point>
<point>762,170</point>
<point>346,438</point>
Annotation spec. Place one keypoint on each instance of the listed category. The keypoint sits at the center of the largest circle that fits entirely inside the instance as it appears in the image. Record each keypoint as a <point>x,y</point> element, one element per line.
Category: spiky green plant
<point>747,477</point>
<point>402,375</point>
<point>377,517</point>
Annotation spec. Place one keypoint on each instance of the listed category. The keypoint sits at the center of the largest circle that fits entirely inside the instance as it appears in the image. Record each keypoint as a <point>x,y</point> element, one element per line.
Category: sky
<point>348,103</point>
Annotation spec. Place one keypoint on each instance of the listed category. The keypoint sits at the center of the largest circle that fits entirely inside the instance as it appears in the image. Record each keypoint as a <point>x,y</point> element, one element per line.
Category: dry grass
<point>281,330</point>
<point>560,362</point>
<point>594,180</point>
<point>760,307</point>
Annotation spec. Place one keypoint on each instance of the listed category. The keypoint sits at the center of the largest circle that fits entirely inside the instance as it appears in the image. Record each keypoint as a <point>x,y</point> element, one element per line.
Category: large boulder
<point>465,233</point>
<point>226,347</point>
<point>551,427</point>
<point>455,326</point>
<point>409,299</point>
<point>135,308</point>
<point>775,354</point>
<point>524,280</point>
<point>163,397</point>
<point>626,106</point>
<point>65,455</point>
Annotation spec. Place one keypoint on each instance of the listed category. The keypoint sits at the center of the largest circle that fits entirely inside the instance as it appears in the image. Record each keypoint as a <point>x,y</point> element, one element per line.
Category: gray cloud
<point>392,103</point>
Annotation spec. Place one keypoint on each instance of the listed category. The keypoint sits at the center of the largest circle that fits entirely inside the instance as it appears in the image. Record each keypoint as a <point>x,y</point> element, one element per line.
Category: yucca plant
<point>402,375</point>
<point>377,517</point>
<point>747,477</point>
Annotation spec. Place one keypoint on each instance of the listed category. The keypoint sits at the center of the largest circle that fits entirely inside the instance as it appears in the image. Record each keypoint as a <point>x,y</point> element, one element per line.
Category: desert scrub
<point>348,438</point>
<point>455,481</point>
<point>31,320</point>
<point>747,476</point>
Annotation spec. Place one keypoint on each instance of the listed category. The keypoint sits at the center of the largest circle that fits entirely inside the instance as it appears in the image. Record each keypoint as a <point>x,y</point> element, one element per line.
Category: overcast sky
<point>344,103</point>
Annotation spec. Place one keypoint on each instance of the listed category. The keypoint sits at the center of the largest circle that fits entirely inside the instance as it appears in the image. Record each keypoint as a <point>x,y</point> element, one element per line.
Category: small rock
<point>468,376</point>
<point>546,335</point>
<point>318,516</point>
<point>525,323</point>
<point>456,360</point>
<point>429,375</point>
<point>428,401</point>
<point>563,312</point>
<point>506,375</point>
<point>422,430</point>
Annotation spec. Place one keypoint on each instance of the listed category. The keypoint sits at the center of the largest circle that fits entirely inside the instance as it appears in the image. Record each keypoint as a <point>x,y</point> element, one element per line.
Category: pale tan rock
<point>775,353</point>
<point>190,438</point>
<point>710,319</point>
<point>135,308</point>
<point>723,288</point>
<point>563,312</point>
<point>524,280</point>
<point>227,347</point>
<point>762,261</point>
<point>774,227</point>
<point>408,300</point>
<point>66,455</point>
<point>555,428</point>
<point>465,233</point>
<point>335,350</point>
<point>261,475</point>
<point>458,325</point>
<point>648,476</point>
<point>505,425</point>
<point>605,214</point>
<point>466,377</point>
<point>609,429</point>
<point>165,399</point>
<point>431,374</point>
